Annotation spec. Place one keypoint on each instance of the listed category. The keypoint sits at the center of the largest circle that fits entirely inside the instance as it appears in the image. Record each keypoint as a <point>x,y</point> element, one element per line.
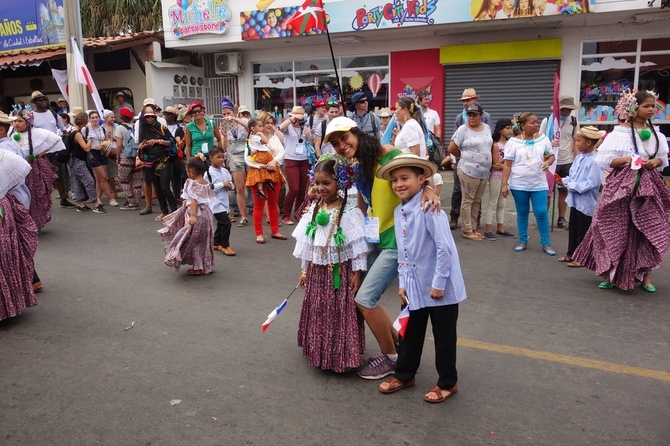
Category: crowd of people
<point>363,193</point>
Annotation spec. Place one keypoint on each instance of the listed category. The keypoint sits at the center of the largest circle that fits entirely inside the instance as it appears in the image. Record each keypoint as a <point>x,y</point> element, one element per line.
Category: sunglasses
<point>197,111</point>
<point>149,116</point>
<point>362,101</point>
<point>40,99</point>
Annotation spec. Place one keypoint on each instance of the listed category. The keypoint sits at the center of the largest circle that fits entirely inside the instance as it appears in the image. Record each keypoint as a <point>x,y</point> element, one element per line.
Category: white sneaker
<point>113,203</point>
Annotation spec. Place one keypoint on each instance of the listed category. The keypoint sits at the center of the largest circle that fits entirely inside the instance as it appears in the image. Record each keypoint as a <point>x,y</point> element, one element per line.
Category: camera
<point>301,122</point>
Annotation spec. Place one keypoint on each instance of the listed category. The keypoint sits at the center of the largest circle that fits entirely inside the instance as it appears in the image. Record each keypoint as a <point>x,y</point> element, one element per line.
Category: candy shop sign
<point>192,17</point>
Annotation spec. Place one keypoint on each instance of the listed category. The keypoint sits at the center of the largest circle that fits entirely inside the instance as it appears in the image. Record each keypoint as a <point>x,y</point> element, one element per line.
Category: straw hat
<point>406,160</point>
<point>469,93</point>
<point>4,119</point>
<point>591,132</point>
<point>297,111</point>
<point>385,112</point>
<point>35,95</point>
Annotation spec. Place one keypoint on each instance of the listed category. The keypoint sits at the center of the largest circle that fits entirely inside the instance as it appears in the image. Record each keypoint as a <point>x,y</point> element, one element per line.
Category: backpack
<point>130,146</point>
<point>63,156</point>
<point>435,149</point>
<point>174,150</point>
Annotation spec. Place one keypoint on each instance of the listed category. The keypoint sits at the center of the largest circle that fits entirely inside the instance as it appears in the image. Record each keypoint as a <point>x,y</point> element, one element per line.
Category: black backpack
<point>436,152</point>
<point>64,155</point>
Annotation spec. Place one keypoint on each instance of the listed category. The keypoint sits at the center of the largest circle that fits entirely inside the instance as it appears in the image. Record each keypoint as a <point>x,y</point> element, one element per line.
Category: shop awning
<point>35,57</point>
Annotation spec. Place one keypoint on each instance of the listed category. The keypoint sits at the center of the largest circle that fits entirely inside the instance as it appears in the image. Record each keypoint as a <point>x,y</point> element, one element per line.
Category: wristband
<point>430,187</point>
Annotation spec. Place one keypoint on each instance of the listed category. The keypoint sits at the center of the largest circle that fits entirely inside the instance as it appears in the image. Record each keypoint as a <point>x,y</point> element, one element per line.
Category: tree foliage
<point>104,18</point>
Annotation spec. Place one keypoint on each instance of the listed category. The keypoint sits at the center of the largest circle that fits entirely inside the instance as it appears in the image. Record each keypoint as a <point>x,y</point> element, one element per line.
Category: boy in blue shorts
<point>431,282</point>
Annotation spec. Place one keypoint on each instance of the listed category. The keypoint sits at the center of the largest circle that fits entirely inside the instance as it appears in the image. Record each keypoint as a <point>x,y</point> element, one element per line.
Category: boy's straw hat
<point>591,132</point>
<point>406,160</point>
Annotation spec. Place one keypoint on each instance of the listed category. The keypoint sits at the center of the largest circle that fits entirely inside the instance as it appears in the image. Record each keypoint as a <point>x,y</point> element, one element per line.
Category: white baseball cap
<point>339,124</point>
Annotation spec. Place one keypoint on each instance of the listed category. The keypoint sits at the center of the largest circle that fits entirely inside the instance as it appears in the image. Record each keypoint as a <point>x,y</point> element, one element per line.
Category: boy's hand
<point>402,293</point>
<point>356,282</point>
<point>436,294</point>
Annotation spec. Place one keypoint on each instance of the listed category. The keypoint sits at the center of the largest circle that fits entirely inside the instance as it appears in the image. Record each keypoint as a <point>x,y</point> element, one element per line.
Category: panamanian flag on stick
<point>272,316</point>
<point>401,322</point>
<point>83,76</point>
<point>310,16</point>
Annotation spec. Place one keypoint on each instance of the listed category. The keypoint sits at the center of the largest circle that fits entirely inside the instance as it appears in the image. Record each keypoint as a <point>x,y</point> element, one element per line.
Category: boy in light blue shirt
<point>583,184</point>
<point>431,282</point>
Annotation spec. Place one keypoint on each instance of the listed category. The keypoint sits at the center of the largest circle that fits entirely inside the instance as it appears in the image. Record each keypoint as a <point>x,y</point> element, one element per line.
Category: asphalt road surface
<point>545,357</point>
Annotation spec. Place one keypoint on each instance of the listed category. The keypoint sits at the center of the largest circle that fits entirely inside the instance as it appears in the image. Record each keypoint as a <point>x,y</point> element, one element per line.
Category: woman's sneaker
<point>129,207</point>
<point>378,368</point>
<point>83,208</point>
<point>113,203</point>
<point>99,209</point>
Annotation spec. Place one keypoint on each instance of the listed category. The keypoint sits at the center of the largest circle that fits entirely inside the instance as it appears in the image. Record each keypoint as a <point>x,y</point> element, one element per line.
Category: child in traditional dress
<point>431,282</point>
<point>18,235</point>
<point>221,182</point>
<point>260,153</point>
<point>187,235</point>
<point>583,184</point>
<point>330,241</point>
<point>36,143</point>
<point>630,235</point>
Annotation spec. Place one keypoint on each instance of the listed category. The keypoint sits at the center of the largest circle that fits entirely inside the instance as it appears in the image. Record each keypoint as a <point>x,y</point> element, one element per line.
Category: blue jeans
<point>522,200</point>
<point>382,270</point>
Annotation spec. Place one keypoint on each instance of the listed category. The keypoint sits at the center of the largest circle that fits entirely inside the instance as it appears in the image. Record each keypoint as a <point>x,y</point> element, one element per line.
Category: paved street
<point>546,358</point>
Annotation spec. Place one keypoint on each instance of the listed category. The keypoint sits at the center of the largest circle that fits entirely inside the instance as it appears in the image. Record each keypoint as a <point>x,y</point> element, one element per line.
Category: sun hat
<point>406,160</point>
<point>170,109</point>
<point>150,113</point>
<point>385,112</point>
<point>474,108</point>
<point>567,102</point>
<point>357,97</point>
<point>243,109</point>
<point>195,104</point>
<point>182,112</point>
<point>106,113</point>
<point>125,111</point>
<point>4,119</point>
<point>119,93</point>
<point>297,111</point>
<point>339,124</point>
<point>61,99</point>
<point>226,104</point>
<point>36,94</point>
<point>469,93</point>
<point>148,101</point>
<point>591,132</point>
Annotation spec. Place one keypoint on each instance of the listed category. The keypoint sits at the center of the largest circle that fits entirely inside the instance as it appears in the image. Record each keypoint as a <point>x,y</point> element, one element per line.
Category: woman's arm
<point>223,142</point>
<point>187,142</point>
<point>507,169</point>
<point>454,149</point>
<point>84,144</point>
<point>415,149</point>
<point>317,145</point>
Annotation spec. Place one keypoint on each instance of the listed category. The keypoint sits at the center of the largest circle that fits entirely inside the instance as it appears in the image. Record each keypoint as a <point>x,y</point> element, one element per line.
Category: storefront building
<point>394,48</point>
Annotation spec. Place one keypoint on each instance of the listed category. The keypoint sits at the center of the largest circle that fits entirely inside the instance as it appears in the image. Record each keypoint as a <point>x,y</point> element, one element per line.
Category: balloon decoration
<point>184,4</point>
<point>375,84</point>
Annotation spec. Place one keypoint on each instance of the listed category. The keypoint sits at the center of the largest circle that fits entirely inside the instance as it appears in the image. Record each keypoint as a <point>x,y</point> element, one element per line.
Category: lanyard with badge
<point>300,145</point>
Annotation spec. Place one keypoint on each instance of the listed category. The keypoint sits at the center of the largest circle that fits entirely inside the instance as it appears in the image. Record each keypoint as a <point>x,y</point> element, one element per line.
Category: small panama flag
<point>272,316</point>
<point>401,322</point>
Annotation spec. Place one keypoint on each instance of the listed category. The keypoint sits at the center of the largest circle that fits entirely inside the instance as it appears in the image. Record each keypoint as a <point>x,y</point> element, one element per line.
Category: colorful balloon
<point>374,84</point>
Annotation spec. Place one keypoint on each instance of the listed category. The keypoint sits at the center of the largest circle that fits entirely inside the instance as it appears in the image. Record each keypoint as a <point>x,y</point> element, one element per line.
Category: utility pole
<point>77,92</point>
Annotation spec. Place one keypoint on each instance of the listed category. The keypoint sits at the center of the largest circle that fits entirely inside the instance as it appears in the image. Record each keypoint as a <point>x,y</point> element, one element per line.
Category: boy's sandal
<point>574,264</point>
<point>565,259</point>
<point>394,384</point>
<point>441,392</point>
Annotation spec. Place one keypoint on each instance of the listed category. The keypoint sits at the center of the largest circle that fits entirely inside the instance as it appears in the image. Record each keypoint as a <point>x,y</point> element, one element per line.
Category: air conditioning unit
<point>227,63</point>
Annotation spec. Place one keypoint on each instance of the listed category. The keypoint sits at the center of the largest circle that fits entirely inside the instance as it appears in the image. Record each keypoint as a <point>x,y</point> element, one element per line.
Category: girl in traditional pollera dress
<point>330,241</point>
<point>188,234</point>
<point>36,143</point>
<point>18,238</point>
<point>630,233</point>
<point>260,153</point>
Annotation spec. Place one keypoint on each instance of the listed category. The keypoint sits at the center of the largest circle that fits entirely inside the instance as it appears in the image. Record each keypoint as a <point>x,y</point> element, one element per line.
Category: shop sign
<point>354,15</point>
<point>38,27</point>
<point>194,17</point>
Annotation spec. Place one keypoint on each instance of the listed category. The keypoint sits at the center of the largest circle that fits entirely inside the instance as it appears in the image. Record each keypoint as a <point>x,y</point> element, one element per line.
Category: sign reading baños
<point>194,17</point>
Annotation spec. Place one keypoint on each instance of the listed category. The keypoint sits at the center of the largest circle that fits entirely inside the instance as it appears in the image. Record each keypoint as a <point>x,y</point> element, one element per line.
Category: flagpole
<point>337,74</point>
<point>76,92</point>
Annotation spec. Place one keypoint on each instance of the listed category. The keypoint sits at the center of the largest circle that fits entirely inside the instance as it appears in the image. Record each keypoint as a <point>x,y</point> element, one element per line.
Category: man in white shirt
<point>432,117</point>
<point>45,118</point>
